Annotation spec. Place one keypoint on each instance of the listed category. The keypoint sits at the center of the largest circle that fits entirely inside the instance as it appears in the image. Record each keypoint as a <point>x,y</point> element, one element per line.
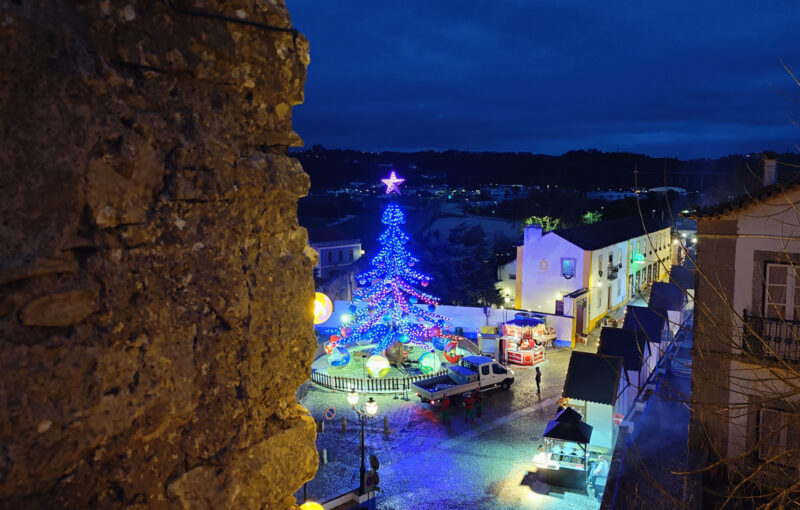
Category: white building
<point>507,282</point>
<point>335,250</point>
<point>746,403</point>
<point>586,271</point>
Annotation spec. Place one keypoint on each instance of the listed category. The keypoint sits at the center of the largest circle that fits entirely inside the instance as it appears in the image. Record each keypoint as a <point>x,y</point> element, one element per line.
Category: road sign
<point>617,418</point>
<point>330,413</point>
<point>370,481</point>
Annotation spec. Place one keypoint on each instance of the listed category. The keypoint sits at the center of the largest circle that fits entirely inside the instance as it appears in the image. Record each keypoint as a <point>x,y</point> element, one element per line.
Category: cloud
<point>690,78</point>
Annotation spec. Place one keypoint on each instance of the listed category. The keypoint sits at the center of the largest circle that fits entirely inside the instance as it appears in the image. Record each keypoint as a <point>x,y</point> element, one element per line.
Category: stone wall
<point>155,286</point>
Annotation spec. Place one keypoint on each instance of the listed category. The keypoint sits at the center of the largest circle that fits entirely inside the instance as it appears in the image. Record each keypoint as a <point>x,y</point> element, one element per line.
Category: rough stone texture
<point>154,282</point>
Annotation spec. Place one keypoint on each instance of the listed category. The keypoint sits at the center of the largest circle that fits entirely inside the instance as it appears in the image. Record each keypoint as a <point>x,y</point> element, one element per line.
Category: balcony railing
<point>613,272</point>
<point>771,339</point>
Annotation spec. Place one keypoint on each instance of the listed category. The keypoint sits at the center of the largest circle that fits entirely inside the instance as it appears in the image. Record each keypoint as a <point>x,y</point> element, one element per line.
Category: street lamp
<point>369,410</point>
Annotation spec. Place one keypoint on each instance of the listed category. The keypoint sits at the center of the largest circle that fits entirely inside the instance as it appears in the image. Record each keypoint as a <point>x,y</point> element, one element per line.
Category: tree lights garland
<point>388,288</point>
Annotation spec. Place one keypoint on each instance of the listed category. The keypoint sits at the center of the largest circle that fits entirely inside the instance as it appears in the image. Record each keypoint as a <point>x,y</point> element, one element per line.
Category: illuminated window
<point>568,268</point>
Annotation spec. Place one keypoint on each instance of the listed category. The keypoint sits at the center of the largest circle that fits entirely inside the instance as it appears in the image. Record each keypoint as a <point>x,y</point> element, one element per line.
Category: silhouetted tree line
<point>579,170</point>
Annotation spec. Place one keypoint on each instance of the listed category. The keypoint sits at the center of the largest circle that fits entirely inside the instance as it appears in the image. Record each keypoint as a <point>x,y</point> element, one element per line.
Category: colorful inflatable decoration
<point>329,347</point>
<point>377,366</point>
<point>338,357</point>
<point>323,307</point>
<point>429,363</point>
<point>450,352</point>
<point>439,342</point>
<point>395,353</point>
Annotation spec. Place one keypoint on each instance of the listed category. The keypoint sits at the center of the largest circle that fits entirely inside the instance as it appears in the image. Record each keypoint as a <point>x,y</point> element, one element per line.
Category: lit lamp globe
<point>352,398</point>
<point>429,362</point>
<point>310,505</point>
<point>371,407</point>
<point>323,307</point>
<point>377,366</point>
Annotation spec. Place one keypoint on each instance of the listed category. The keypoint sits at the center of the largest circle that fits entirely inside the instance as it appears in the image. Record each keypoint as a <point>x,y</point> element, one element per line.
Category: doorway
<point>580,312</point>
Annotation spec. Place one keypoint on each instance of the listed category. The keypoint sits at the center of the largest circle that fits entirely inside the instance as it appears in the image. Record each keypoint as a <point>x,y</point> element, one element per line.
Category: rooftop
<point>744,200</point>
<point>682,276</point>
<point>648,320</point>
<point>593,377</point>
<point>606,233</point>
<point>629,344</point>
<point>666,296</point>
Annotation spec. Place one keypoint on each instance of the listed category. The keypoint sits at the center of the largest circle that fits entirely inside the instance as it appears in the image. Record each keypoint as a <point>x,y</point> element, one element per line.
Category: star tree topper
<point>392,183</point>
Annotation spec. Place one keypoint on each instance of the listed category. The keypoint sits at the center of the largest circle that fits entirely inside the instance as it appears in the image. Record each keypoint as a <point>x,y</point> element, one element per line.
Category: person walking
<point>478,402</point>
<point>538,381</point>
<point>469,408</point>
<point>446,410</point>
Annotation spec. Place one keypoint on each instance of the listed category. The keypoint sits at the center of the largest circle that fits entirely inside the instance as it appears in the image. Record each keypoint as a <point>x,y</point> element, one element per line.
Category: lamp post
<point>369,410</point>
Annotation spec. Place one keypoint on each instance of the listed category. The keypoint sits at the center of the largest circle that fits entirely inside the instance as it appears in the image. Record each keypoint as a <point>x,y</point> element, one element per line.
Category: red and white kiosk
<point>524,341</point>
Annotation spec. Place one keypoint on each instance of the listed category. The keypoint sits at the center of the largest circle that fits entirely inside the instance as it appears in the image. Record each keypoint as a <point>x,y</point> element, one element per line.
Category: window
<point>498,369</point>
<point>599,299</point>
<point>341,256</point>
<point>619,288</point>
<point>568,268</point>
<point>330,256</point>
<point>781,292</point>
<point>485,370</point>
<point>351,254</point>
<point>779,432</point>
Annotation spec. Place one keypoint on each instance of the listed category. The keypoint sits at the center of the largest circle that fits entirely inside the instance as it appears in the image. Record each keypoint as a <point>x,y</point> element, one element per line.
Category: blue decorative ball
<point>431,308</point>
<point>353,308</point>
<point>412,299</point>
<point>403,339</point>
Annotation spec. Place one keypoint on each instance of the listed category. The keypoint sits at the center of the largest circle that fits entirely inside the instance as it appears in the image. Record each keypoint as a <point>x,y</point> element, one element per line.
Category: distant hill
<point>582,169</point>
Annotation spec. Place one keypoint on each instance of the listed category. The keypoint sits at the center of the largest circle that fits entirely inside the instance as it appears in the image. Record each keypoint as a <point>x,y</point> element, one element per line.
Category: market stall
<point>563,458</point>
<point>525,340</point>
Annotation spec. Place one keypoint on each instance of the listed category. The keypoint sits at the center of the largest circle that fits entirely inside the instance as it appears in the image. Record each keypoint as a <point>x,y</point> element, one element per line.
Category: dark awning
<point>574,431</point>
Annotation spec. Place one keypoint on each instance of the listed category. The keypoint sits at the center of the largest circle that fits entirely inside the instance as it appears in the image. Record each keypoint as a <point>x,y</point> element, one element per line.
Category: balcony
<point>613,272</point>
<point>771,339</point>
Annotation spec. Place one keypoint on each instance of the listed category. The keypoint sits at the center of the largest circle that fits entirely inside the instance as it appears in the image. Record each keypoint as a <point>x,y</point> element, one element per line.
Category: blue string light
<point>389,289</point>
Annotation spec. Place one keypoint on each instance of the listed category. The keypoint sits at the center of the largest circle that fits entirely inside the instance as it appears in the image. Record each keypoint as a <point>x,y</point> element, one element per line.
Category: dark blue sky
<point>677,78</point>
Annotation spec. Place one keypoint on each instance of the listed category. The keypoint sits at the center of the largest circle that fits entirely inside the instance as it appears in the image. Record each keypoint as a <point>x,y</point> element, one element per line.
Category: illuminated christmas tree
<point>390,292</point>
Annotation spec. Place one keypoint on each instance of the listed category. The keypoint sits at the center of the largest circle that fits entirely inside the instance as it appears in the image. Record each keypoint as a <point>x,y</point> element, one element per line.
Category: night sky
<point>680,78</point>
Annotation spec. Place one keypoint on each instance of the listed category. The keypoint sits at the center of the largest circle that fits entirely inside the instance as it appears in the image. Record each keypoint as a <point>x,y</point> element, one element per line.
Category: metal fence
<point>772,339</point>
<point>385,385</point>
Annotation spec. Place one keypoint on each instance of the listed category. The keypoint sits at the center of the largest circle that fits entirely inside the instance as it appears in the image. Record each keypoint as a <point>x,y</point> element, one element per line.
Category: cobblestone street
<point>427,465</point>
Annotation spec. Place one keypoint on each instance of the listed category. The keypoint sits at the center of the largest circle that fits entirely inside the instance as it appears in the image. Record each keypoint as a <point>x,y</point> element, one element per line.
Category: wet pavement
<point>485,465</point>
<point>656,458</point>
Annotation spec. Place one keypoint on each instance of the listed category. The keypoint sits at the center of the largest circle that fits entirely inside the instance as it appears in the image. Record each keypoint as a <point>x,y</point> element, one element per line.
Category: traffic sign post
<point>330,413</point>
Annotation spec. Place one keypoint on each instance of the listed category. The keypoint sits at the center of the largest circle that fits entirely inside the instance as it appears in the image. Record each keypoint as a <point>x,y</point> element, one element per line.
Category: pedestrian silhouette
<point>469,408</point>
<point>538,381</point>
<point>446,410</point>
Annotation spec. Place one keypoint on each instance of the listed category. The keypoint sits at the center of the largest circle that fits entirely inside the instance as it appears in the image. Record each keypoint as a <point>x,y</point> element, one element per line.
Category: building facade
<point>745,424</point>
<point>335,254</point>
<point>587,271</point>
